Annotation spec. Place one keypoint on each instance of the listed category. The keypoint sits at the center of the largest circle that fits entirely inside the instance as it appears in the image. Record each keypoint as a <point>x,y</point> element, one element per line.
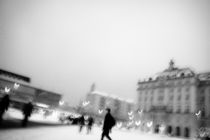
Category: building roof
<point>14,76</point>
<point>111,96</point>
<point>175,73</point>
<point>204,76</point>
<point>171,72</point>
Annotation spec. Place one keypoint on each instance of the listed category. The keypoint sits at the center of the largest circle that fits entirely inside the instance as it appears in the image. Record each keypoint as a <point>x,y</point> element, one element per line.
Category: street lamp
<point>7,90</point>
<point>16,86</point>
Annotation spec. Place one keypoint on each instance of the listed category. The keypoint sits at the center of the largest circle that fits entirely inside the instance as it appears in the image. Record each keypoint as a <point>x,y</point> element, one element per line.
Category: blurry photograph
<point>104,69</point>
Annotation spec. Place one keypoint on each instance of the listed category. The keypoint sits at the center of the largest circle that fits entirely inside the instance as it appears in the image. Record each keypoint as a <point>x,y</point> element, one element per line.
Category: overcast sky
<point>66,45</point>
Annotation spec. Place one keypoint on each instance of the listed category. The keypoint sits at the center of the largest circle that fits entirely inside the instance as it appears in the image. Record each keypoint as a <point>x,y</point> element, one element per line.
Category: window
<point>187,109</point>
<point>202,113</point>
<point>102,102</point>
<point>178,109</point>
<point>182,75</point>
<point>202,100</point>
<point>170,108</point>
<point>160,98</point>
<point>202,91</point>
<point>151,98</point>
<point>187,97</point>
<point>179,97</point>
<point>179,89</point>
<point>171,90</point>
<point>187,89</point>
<point>171,97</point>
<point>161,90</point>
<point>145,98</point>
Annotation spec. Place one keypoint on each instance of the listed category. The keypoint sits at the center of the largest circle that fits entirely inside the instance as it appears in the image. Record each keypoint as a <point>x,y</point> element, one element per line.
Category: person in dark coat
<point>90,124</point>
<point>4,105</point>
<point>109,122</point>
<point>81,122</point>
<point>27,111</point>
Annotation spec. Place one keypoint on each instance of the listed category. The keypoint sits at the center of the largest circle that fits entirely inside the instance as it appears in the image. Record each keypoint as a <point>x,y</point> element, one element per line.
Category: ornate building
<point>175,101</point>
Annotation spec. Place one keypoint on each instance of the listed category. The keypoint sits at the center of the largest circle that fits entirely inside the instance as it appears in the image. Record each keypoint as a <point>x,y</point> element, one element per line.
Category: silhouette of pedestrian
<point>109,122</point>
<point>4,105</point>
<point>90,124</point>
<point>81,122</point>
<point>27,110</point>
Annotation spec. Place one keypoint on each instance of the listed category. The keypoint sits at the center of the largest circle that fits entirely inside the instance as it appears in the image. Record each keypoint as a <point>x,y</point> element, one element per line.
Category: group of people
<point>4,106</point>
<point>82,123</point>
<point>108,124</point>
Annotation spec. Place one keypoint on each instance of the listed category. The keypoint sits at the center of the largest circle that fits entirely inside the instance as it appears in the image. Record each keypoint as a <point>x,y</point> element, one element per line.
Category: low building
<point>96,102</point>
<point>20,91</point>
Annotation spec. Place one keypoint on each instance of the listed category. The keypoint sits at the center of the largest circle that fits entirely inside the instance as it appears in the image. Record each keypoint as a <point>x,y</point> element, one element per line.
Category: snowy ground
<point>67,132</point>
<point>17,114</point>
<point>71,133</point>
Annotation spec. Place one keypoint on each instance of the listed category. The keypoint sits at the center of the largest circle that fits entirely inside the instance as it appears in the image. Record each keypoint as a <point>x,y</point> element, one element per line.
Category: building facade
<point>20,91</point>
<point>175,101</point>
<point>96,102</point>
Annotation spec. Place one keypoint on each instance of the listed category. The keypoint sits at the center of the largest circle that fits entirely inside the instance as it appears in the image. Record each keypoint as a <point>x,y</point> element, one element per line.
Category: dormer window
<point>182,74</point>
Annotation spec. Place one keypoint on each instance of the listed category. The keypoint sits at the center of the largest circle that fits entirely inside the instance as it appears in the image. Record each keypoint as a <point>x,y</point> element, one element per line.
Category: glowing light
<point>131,117</point>
<point>42,105</point>
<point>85,103</point>
<point>7,90</point>
<point>100,111</point>
<point>119,124</point>
<point>162,128</point>
<point>86,117</point>
<point>130,123</point>
<point>130,113</point>
<point>149,124</point>
<point>16,86</point>
<point>138,123</point>
<point>197,114</point>
<point>140,111</point>
<point>61,102</point>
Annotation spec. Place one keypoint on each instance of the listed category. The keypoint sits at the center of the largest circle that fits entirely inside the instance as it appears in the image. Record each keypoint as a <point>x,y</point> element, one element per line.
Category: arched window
<point>177,131</point>
<point>179,97</point>
<point>186,132</point>
<point>187,97</point>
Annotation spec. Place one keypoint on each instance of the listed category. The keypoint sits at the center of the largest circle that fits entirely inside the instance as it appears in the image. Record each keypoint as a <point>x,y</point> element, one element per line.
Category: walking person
<point>81,122</point>
<point>27,111</point>
<point>4,105</point>
<point>90,124</point>
<point>109,122</point>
